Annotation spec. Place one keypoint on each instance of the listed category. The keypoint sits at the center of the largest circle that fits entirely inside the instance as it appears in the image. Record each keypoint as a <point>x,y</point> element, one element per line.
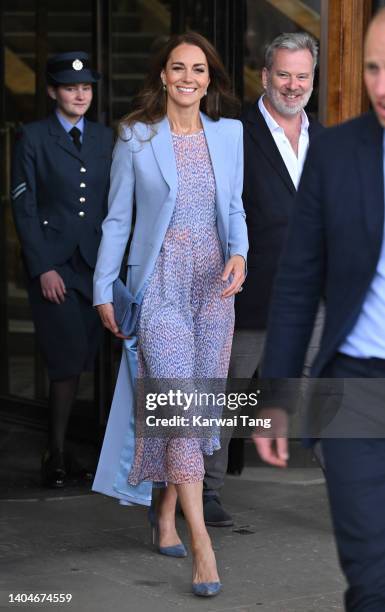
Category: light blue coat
<point>144,170</point>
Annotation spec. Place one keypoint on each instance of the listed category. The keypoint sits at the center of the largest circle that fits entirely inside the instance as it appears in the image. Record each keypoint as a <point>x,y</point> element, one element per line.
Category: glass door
<point>19,355</point>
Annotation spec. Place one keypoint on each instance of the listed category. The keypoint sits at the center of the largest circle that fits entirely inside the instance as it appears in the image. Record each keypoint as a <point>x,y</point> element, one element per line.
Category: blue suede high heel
<point>178,550</point>
<point>206,589</point>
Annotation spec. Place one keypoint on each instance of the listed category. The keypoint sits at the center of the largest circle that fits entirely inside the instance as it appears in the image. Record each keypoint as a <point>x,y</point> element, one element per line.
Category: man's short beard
<point>280,106</point>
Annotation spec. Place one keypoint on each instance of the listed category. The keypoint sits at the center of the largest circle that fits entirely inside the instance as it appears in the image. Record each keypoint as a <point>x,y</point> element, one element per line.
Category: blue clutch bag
<point>126,308</point>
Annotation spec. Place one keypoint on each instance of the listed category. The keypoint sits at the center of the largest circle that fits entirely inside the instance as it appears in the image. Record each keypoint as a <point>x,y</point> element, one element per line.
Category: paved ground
<point>279,557</point>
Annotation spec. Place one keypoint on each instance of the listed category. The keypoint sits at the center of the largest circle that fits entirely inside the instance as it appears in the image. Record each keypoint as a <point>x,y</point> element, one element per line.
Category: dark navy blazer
<point>268,198</point>
<point>59,194</point>
<point>333,246</point>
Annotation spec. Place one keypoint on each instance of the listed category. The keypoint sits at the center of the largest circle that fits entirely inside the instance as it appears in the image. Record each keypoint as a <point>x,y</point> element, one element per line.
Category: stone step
<point>52,5</point>
<point>137,42</point>
<point>68,5</point>
<point>28,57</point>
<point>130,62</point>
<point>121,105</point>
<point>125,5</point>
<point>59,21</point>
<point>127,21</point>
<point>25,42</point>
<point>64,41</point>
<point>19,5</point>
<point>126,84</point>
<point>121,62</point>
<point>17,21</point>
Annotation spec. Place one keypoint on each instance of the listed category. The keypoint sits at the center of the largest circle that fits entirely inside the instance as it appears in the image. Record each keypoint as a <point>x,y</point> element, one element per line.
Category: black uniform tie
<point>75,135</point>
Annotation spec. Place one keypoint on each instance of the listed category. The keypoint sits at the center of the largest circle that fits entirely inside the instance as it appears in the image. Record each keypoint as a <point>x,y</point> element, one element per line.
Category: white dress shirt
<point>293,163</point>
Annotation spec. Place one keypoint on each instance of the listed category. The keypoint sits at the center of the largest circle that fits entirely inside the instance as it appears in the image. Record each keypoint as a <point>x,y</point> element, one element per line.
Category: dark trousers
<point>355,475</point>
<point>215,469</point>
<point>245,356</point>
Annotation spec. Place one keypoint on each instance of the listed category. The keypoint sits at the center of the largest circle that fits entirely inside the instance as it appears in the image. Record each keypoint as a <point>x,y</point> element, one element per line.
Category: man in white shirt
<point>277,132</point>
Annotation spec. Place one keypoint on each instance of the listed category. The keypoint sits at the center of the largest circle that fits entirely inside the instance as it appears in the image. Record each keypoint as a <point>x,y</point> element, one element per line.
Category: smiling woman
<point>185,77</point>
<point>182,163</point>
<point>199,62</point>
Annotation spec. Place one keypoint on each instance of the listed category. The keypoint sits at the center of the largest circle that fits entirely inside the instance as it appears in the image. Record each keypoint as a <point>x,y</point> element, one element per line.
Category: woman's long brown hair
<point>149,106</point>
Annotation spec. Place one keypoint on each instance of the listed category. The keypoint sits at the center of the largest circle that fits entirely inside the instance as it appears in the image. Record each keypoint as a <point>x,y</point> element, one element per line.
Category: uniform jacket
<point>59,194</point>
<point>268,198</point>
<point>333,246</point>
<point>144,169</point>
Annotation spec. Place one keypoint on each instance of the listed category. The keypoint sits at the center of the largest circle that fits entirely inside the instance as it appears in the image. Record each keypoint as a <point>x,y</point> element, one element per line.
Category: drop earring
<point>164,87</point>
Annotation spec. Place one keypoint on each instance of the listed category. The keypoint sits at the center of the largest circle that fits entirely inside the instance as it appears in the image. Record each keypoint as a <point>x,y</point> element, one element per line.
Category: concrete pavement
<point>279,556</point>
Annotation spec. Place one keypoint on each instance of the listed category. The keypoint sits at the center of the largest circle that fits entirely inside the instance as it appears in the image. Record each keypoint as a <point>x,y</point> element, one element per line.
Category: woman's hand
<point>53,287</point>
<point>236,267</point>
<point>106,313</point>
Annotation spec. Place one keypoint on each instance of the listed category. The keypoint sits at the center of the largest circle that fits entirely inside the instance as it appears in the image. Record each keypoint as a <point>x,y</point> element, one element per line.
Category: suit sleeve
<point>25,207</point>
<point>238,241</point>
<point>116,226</point>
<point>299,282</point>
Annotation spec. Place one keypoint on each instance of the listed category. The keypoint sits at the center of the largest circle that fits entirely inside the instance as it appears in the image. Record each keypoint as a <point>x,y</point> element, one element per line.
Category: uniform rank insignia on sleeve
<point>18,190</point>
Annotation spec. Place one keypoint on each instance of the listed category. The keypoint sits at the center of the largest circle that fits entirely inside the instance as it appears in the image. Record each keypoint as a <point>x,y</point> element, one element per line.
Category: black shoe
<point>214,514</point>
<point>78,471</point>
<point>53,473</point>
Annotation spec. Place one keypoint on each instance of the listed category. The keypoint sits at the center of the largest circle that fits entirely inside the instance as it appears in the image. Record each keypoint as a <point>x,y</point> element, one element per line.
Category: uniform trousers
<point>246,354</point>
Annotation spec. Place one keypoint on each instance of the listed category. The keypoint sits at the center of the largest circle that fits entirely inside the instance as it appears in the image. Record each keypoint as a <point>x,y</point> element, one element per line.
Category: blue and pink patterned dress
<point>186,327</point>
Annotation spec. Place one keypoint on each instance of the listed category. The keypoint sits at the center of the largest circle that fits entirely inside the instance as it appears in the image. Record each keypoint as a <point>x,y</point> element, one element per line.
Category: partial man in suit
<point>277,133</point>
<point>336,248</point>
<point>60,181</point>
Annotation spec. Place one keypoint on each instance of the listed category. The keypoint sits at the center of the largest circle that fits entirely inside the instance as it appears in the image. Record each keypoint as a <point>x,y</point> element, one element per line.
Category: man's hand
<point>52,286</point>
<point>273,447</point>
<point>106,313</point>
<point>236,267</point>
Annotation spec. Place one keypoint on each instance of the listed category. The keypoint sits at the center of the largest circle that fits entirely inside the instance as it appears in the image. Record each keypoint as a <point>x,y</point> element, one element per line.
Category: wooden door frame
<point>342,92</point>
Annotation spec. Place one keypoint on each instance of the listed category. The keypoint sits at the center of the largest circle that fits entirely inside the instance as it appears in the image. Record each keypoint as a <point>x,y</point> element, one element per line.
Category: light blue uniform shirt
<point>367,338</point>
<point>67,125</point>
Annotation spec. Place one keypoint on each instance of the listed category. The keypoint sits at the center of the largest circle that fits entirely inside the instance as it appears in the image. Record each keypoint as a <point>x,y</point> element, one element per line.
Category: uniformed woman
<point>59,192</point>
